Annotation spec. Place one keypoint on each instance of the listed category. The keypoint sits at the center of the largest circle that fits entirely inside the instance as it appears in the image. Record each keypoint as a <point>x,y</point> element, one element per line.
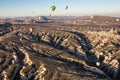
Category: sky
<point>16,8</point>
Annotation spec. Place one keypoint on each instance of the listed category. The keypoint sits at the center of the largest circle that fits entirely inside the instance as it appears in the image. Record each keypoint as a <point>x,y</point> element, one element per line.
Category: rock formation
<point>59,53</point>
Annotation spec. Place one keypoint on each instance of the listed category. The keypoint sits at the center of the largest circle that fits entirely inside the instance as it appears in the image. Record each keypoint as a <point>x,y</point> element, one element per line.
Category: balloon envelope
<point>66,7</point>
<point>33,12</point>
<point>117,19</point>
<point>53,8</point>
<point>91,17</point>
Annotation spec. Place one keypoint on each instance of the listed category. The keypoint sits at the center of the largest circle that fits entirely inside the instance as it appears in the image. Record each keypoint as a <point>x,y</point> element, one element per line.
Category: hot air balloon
<point>69,15</point>
<point>66,7</point>
<point>50,15</point>
<point>53,8</point>
<point>33,12</point>
<point>117,19</point>
<point>91,17</point>
<point>31,30</point>
<point>75,22</point>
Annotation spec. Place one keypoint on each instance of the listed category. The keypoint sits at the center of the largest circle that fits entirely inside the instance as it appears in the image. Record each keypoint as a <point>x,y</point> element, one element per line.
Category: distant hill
<point>101,18</point>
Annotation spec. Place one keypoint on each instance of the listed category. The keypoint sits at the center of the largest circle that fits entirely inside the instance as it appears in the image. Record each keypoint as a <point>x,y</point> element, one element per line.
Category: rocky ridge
<point>42,54</point>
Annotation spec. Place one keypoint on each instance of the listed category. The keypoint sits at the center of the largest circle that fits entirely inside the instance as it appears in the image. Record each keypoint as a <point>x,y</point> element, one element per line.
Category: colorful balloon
<point>53,8</point>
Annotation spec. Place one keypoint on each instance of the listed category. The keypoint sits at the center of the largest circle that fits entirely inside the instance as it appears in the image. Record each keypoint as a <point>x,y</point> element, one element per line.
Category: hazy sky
<point>42,7</point>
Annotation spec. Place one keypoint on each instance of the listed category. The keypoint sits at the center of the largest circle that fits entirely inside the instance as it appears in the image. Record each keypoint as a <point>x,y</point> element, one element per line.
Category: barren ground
<point>82,49</point>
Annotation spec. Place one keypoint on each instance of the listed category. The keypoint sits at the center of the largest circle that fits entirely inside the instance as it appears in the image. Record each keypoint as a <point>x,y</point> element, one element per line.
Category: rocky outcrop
<point>40,72</point>
<point>5,28</point>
